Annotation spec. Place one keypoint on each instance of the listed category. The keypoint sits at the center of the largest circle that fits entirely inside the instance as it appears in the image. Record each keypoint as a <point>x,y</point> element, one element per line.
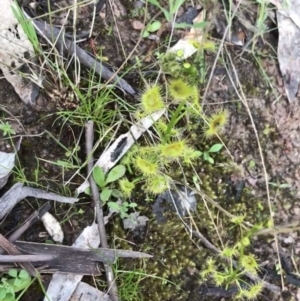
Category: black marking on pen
<point>118,150</point>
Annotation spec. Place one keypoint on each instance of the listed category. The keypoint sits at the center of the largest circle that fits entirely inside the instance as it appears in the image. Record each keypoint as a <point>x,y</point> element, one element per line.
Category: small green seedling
<point>6,129</point>
<point>152,27</point>
<point>7,292</point>
<point>19,280</point>
<point>214,149</point>
<point>102,181</point>
<point>115,174</point>
<point>122,208</point>
<point>15,282</point>
<point>251,164</point>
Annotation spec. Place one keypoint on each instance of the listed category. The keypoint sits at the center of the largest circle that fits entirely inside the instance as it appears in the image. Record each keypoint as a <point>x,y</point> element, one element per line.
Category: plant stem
<point>174,120</point>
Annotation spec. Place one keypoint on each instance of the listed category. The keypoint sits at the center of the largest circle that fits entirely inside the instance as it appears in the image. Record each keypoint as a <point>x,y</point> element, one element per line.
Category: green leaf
<point>115,174</point>
<point>146,34</point>
<point>123,214</point>
<point>16,283</point>
<point>10,297</point>
<point>166,13</point>
<point>2,293</point>
<point>114,206</point>
<point>211,160</point>
<point>132,205</point>
<point>251,164</point>
<point>206,156</point>
<point>215,148</point>
<point>26,25</point>
<point>123,209</point>
<point>278,185</point>
<point>197,153</point>
<point>13,273</point>
<point>24,274</point>
<point>154,2</point>
<point>88,191</point>
<point>116,193</point>
<point>99,176</point>
<point>154,26</point>
<point>105,195</point>
<point>185,25</point>
<point>21,282</point>
<point>175,6</point>
<point>285,185</point>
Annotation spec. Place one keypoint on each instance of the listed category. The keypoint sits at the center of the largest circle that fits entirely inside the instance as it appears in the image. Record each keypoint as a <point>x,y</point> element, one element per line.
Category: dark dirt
<point>277,124</point>
<point>36,125</point>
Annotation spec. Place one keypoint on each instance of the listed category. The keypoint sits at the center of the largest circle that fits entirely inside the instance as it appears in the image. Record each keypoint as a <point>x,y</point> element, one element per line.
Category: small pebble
<point>138,4</point>
<point>137,25</point>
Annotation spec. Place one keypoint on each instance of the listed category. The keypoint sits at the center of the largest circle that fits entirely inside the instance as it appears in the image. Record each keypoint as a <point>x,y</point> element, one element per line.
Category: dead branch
<point>89,137</point>
<point>36,216</point>
<point>11,249</point>
<point>26,258</point>
<point>61,42</point>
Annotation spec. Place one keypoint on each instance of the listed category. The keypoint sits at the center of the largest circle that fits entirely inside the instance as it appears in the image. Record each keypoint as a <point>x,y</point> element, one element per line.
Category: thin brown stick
<point>26,258</point>
<point>86,59</point>
<point>11,249</point>
<point>89,138</point>
<point>36,216</point>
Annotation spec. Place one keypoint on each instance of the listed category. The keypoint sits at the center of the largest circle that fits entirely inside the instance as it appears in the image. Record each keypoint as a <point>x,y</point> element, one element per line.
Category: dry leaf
<point>186,45</point>
<point>137,25</point>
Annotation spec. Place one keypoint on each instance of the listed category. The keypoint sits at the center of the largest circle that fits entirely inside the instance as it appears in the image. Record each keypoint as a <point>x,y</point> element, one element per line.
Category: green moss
<point>174,251</point>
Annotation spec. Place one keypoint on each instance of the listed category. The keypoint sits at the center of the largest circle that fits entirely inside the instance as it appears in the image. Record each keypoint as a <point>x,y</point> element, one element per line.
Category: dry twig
<point>36,216</point>
<point>89,137</point>
<point>54,36</point>
<point>11,249</point>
